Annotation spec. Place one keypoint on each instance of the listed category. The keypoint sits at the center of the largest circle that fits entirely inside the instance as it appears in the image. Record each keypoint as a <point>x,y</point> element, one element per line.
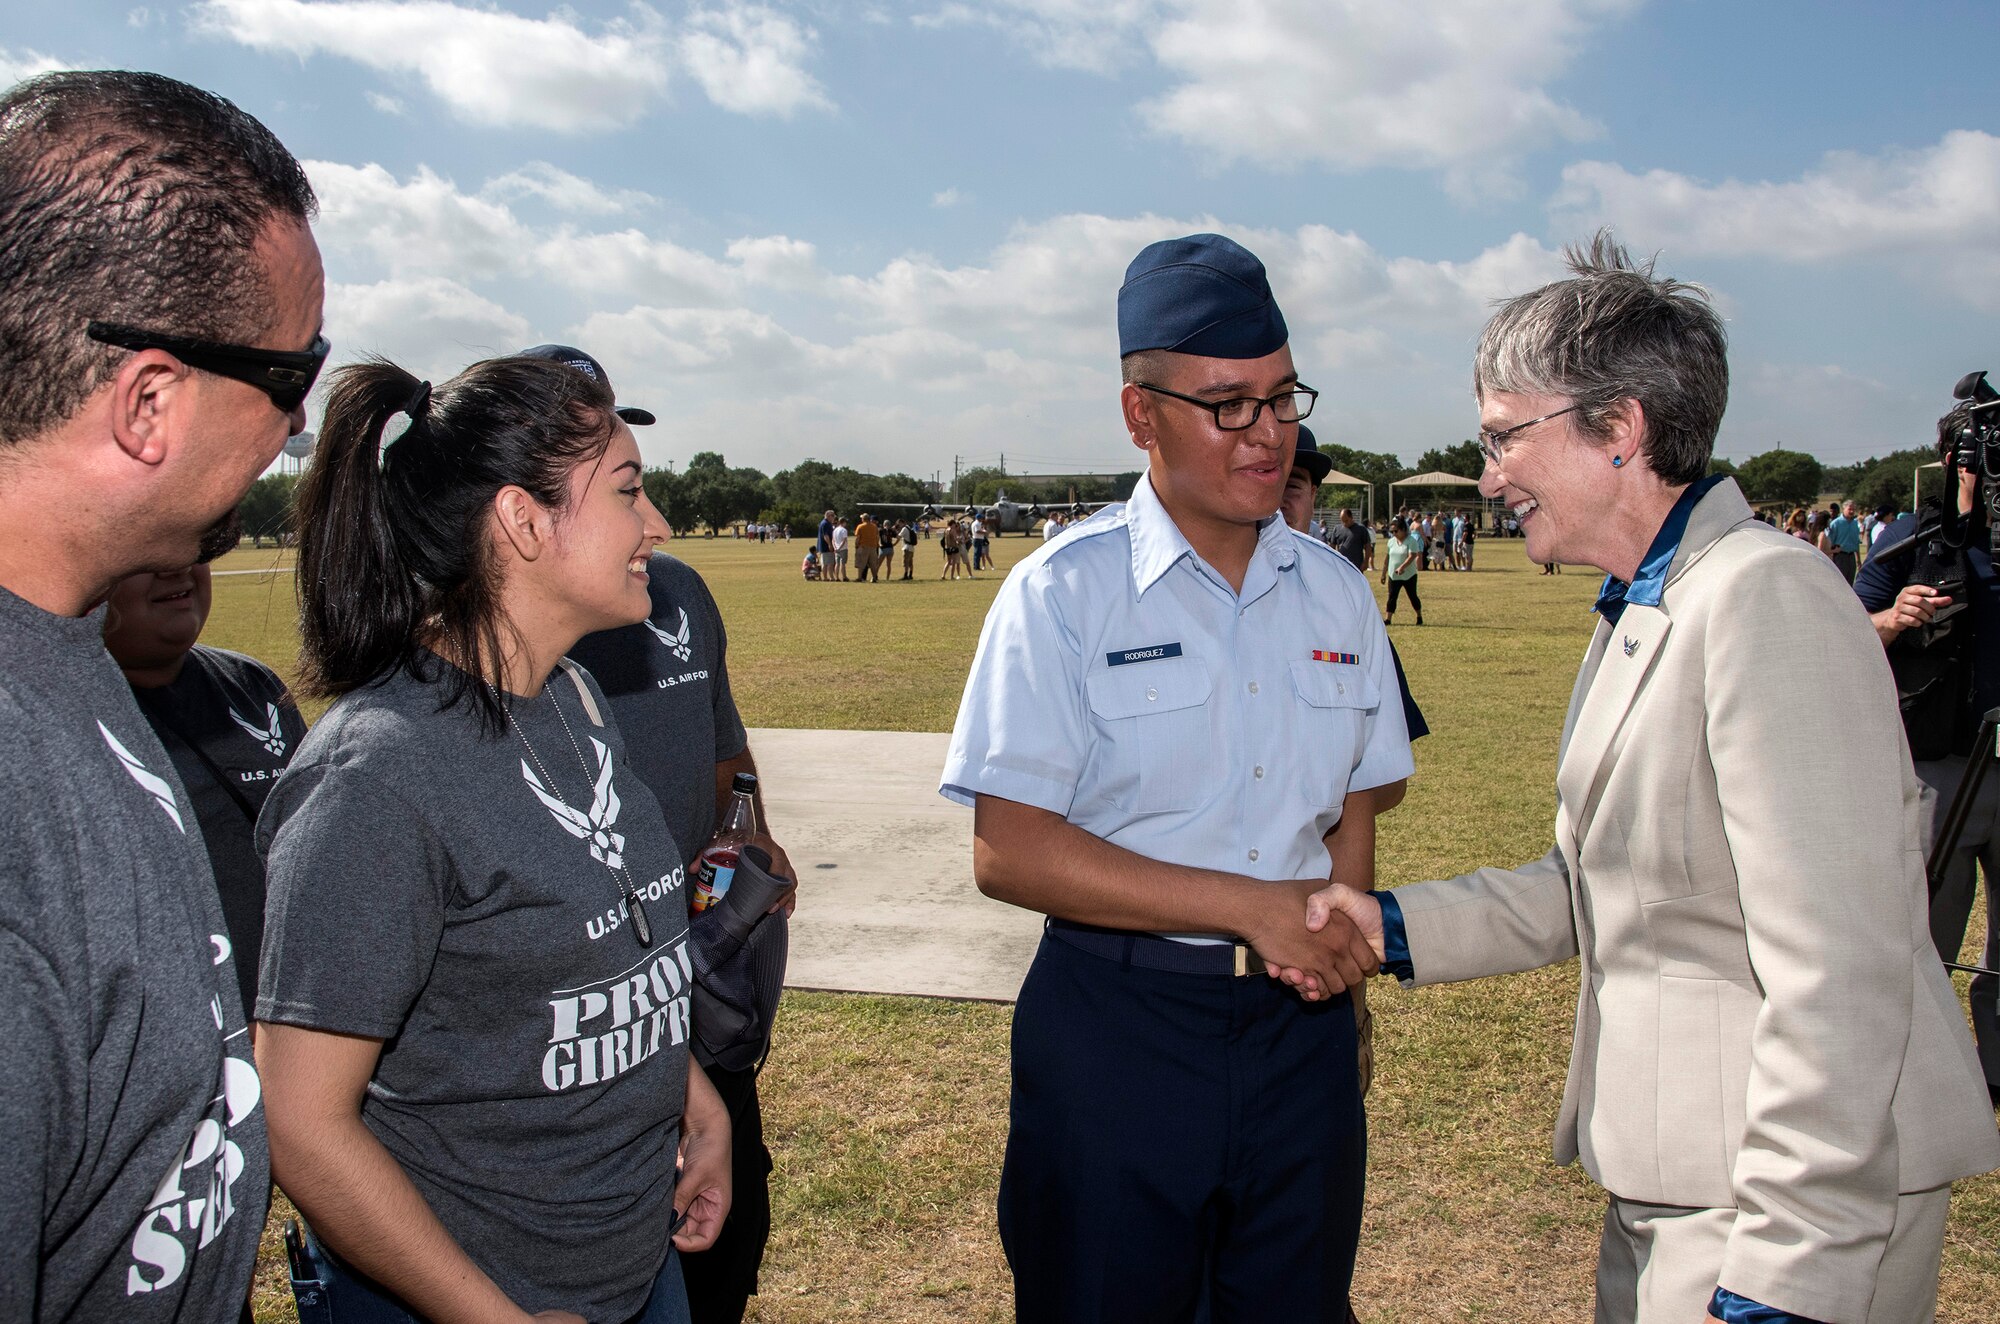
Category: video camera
<point>1969,442</point>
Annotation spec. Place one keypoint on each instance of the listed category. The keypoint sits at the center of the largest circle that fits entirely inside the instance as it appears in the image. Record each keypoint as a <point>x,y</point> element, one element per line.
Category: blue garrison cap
<point>1203,295</point>
<point>1309,458</point>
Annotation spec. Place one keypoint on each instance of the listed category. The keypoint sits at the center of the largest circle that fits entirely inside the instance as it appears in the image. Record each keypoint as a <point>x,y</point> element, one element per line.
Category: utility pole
<point>954,477</point>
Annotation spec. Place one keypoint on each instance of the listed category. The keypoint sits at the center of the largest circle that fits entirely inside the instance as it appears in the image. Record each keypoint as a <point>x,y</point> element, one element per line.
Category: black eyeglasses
<point>284,375</point>
<point>1242,412</point>
<point>1490,442</point>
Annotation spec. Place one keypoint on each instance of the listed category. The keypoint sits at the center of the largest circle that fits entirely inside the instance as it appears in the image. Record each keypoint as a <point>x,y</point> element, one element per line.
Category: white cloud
<point>430,325</point>
<point>16,65</point>
<point>779,262</point>
<point>505,70</point>
<point>1458,85</point>
<point>388,105</point>
<point>634,265</point>
<point>949,197</point>
<point>490,67</point>
<point>138,18</point>
<point>421,226</point>
<point>672,343</point>
<point>1094,36</point>
<point>904,358</point>
<point>751,60</point>
<point>1353,83</point>
<point>1059,279</point>
<point>564,191</point>
<point>1931,201</point>
<point>426,224</point>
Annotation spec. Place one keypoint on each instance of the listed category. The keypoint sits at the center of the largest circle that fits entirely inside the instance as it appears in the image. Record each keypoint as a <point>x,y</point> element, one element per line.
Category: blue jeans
<point>328,1292</point>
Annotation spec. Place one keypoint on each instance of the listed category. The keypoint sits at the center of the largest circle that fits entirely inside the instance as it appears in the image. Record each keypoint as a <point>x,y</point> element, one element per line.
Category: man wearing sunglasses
<point>160,301</point>
<point>1174,723</point>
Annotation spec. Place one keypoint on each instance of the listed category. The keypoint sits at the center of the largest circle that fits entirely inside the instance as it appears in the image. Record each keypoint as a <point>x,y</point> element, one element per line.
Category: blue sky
<point>892,234</point>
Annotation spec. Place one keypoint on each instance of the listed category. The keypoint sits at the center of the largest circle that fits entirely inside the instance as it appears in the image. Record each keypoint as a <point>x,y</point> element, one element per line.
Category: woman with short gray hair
<point>1771,1076</point>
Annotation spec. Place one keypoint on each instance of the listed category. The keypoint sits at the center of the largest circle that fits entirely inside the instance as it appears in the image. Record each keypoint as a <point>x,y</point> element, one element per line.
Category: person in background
<point>160,308</point>
<point>908,538</point>
<point>1885,514</point>
<point>1843,538</point>
<point>1399,568</point>
<point>1186,1135</point>
<point>667,678</point>
<point>1896,605</point>
<point>823,544</point>
<point>982,534</point>
<point>1309,470</point>
<point>1770,1151</point>
<point>225,720</point>
<point>867,549</point>
<point>841,538</point>
<point>474,1003</point>
<point>948,546</point>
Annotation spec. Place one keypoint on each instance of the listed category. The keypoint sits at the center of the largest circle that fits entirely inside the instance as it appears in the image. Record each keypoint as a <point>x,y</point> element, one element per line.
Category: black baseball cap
<point>1309,457</point>
<point>592,369</point>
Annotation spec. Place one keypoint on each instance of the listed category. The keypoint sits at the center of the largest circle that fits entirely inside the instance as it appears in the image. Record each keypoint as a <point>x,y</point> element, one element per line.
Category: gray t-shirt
<point>668,680</point>
<point>230,728</point>
<point>133,1165</point>
<point>440,888</point>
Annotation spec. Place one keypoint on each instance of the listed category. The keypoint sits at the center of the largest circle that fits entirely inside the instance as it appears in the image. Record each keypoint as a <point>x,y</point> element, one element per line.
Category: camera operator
<point>1964,661</point>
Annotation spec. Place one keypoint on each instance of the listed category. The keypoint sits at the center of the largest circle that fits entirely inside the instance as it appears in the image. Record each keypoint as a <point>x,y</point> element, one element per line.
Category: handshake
<point>1320,938</point>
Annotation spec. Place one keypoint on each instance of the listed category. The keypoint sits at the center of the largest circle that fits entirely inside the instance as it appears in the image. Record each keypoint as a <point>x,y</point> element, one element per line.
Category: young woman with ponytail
<point>473,1003</point>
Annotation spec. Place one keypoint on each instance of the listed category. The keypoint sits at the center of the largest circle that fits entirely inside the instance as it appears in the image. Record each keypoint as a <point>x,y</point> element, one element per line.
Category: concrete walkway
<point>886,899</point>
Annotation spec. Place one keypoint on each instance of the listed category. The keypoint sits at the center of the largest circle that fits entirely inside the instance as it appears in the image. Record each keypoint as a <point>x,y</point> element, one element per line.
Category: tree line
<point>710,492</point>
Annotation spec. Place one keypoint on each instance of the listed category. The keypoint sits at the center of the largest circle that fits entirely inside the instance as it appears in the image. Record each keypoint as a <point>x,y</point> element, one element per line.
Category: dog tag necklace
<point>628,891</point>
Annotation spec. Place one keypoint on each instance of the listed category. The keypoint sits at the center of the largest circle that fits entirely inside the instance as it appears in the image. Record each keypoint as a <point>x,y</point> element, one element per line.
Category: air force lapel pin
<point>1630,645</point>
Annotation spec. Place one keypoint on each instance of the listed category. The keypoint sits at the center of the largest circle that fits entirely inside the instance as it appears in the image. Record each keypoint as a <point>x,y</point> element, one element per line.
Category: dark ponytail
<point>395,557</point>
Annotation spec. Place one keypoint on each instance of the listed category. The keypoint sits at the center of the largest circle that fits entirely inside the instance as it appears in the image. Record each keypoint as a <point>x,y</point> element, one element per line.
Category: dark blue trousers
<point>1182,1147</point>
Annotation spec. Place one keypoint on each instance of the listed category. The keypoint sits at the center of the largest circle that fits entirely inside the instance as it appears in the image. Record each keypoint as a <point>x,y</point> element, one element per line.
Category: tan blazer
<point>1762,1021</point>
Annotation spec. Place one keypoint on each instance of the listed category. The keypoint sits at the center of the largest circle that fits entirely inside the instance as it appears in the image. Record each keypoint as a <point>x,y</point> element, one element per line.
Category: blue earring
<point>1617,461</point>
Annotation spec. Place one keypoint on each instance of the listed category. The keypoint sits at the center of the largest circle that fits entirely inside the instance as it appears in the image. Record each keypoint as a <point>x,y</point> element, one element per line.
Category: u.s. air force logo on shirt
<point>677,641</point>
<point>268,732</point>
<point>606,846</point>
<point>149,781</point>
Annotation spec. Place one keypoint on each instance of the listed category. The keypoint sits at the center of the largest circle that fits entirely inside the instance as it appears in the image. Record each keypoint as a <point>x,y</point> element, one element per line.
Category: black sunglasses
<point>284,375</point>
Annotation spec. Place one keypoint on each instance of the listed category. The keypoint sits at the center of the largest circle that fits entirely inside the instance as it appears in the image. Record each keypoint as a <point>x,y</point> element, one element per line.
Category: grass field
<point>887,1115</point>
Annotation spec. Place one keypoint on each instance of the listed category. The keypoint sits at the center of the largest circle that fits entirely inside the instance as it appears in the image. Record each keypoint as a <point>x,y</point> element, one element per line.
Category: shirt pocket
<point>1333,701</point>
<point>1152,727</point>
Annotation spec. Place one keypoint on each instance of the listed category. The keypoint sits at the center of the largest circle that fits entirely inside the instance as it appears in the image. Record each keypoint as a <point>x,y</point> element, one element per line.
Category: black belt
<point>1149,951</point>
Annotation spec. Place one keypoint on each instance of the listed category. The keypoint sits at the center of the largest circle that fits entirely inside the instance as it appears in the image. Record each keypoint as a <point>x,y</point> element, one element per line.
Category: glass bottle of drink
<point>715,869</point>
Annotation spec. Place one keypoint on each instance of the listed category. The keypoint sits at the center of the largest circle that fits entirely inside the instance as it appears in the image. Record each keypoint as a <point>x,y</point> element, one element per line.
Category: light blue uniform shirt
<point>1121,683</point>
